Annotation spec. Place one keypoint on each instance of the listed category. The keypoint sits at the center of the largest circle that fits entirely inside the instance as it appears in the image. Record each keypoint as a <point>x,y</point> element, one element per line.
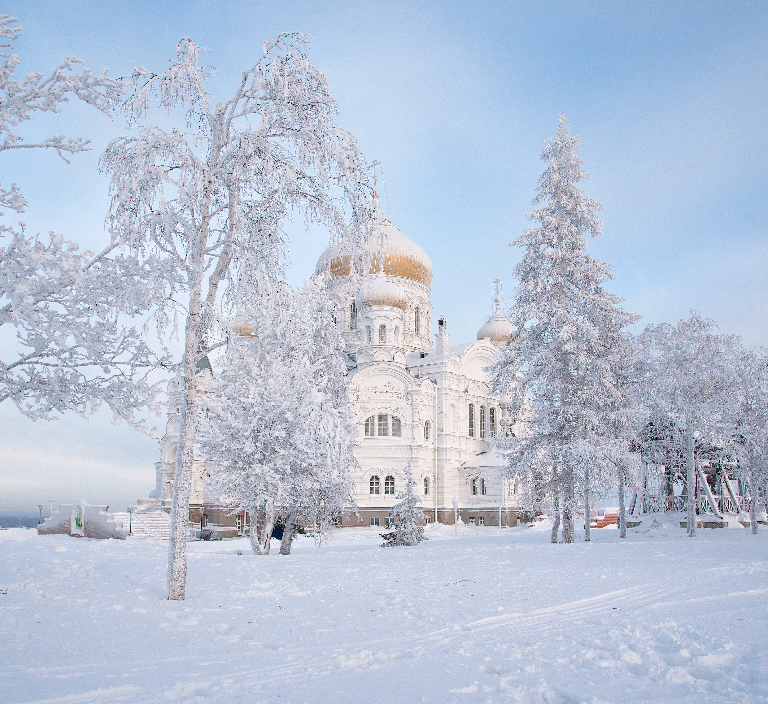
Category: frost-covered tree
<point>407,514</point>
<point>748,442</point>
<point>688,380</point>
<point>571,342</point>
<point>217,189</point>
<point>71,350</point>
<point>277,433</point>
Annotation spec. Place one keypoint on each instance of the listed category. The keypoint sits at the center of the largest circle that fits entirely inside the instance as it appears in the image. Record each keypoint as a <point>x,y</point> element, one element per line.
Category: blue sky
<point>456,100</point>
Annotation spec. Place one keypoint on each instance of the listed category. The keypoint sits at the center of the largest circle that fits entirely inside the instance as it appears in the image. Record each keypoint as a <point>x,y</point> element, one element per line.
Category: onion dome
<point>380,292</point>
<point>498,328</point>
<point>399,255</point>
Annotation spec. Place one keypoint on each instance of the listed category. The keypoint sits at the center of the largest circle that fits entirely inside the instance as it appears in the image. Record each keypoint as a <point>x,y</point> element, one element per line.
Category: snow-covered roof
<point>380,292</point>
<point>484,459</point>
<point>420,357</point>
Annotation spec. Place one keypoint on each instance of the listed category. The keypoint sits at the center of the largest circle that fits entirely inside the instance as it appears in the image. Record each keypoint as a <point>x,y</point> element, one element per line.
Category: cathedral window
<point>397,337</point>
<point>353,316</point>
<point>375,485</point>
<point>471,420</point>
<point>426,430</point>
<point>374,522</point>
<point>417,321</point>
<point>370,427</point>
<point>492,421</point>
<point>389,485</point>
<point>382,334</point>
<point>383,424</point>
<point>482,487</point>
<point>426,486</point>
<point>482,421</point>
<point>474,487</point>
<point>397,429</point>
<point>368,334</point>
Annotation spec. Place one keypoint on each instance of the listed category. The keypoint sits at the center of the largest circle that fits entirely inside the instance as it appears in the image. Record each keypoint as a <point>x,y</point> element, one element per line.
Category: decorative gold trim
<point>403,265</point>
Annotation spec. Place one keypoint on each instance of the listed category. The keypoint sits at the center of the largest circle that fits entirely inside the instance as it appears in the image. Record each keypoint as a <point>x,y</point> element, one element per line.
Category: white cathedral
<point>412,402</point>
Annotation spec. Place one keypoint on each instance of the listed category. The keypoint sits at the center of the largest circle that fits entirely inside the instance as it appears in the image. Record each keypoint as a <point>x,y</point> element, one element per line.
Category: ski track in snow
<point>488,616</point>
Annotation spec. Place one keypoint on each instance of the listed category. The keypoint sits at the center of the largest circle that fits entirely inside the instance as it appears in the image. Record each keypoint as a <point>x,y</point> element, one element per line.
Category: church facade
<point>417,404</point>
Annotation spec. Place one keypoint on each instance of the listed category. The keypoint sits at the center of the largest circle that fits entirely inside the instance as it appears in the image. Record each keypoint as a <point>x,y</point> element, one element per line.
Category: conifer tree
<point>408,516</point>
<point>569,352</point>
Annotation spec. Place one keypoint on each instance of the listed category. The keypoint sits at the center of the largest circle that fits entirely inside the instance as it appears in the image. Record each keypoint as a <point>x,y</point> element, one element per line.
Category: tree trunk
<point>253,516</point>
<point>622,513</point>
<point>691,479</point>
<point>569,506</point>
<point>182,480</point>
<point>269,524</point>
<point>288,532</point>
<point>587,510</point>
<point>753,490</point>
<point>556,521</point>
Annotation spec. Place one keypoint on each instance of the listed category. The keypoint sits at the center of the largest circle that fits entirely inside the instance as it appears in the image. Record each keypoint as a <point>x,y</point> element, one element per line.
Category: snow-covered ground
<point>488,616</point>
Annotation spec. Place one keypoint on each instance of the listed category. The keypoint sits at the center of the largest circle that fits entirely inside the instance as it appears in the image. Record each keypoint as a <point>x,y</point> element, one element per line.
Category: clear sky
<point>456,100</point>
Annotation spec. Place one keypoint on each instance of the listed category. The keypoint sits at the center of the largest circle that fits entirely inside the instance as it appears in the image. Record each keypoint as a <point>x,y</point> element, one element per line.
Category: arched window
<point>482,487</point>
<point>370,427</point>
<point>426,486</point>
<point>368,335</point>
<point>389,485</point>
<point>397,430</point>
<point>426,430</point>
<point>383,424</point>
<point>417,321</point>
<point>375,485</point>
<point>482,421</point>
<point>397,337</point>
<point>382,334</point>
<point>474,487</point>
<point>352,316</point>
<point>471,420</point>
<point>492,421</point>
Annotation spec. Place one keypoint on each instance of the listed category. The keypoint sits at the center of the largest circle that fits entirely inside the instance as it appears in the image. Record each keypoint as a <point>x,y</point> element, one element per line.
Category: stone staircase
<point>146,523</point>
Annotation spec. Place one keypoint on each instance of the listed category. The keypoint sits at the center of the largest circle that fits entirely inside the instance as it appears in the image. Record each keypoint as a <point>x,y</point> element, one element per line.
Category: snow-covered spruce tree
<point>204,195</point>
<point>408,516</point>
<point>749,440</point>
<point>688,380</point>
<point>277,432</point>
<point>70,350</point>
<point>570,342</point>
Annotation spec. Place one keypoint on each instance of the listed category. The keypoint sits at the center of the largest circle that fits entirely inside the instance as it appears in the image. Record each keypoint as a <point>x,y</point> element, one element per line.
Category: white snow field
<point>488,616</point>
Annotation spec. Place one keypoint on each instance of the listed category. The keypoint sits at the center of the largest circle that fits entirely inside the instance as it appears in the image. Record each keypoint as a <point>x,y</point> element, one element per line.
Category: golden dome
<point>400,255</point>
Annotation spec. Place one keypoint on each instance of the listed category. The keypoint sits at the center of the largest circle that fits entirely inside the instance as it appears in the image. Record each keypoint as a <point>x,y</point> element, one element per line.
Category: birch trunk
<point>587,510</point>
<point>254,530</point>
<point>269,524</point>
<point>690,480</point>
<point>753,506</point>
<point>569,505</point>
<point>622,513</point>
<point>288,532</point>
<point>182,480</point>
<point>556,522</point>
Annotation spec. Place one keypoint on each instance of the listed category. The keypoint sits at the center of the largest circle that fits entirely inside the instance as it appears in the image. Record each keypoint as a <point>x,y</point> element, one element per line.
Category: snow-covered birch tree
<point>688,380</point>
<point>571,339</point>
<point>71,349</point>
<point>749,440</point>
<point>277,431</point>
<point>218,189</point>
